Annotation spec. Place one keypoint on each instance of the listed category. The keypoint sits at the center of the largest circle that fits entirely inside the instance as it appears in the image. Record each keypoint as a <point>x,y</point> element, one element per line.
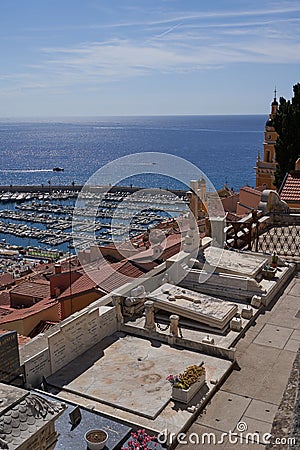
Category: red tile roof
<point>22,340</point>
<point>290,192</point>
<point>41,327</point>
<point>107,278</point>
<point>84,284</point>
<point>19,314</point>
<point>232,217</point>
<point>169,247</point>
<point>251,190</point>
<point>173,246</point>
<point>32,289</point>
<point>5,311</point>
<point>43,271</point>
<point>4,298</point>
<point>6,279</point>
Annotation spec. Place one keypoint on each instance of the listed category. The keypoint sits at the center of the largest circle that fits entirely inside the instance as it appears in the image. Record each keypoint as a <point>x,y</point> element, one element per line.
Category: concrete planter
<point>95,439</point>
<point>269,273</point>
<point>185,395</point>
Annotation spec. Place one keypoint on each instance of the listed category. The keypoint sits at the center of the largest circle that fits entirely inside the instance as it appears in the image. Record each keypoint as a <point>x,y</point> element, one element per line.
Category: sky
<point>138,57</point>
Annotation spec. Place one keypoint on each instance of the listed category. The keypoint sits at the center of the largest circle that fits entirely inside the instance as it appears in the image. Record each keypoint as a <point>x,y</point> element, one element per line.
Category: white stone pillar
<point>174,319</point>
<point>149,316</point>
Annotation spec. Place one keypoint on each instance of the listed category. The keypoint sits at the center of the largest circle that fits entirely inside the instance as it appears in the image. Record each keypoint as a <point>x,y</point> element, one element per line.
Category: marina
<point>47,218</point>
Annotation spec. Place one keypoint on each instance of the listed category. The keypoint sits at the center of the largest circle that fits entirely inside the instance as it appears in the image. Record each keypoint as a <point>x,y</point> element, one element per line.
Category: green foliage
<point>287,125</point>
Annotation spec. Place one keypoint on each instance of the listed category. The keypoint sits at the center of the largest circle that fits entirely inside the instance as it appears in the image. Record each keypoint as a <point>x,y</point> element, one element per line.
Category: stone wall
<point>72,338</point>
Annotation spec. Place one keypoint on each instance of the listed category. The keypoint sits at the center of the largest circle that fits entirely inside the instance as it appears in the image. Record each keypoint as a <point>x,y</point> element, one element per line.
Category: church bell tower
<point>265,169</point>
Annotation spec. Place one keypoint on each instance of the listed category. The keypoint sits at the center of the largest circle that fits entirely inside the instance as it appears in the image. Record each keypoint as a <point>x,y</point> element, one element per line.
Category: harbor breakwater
<point>76,188</point>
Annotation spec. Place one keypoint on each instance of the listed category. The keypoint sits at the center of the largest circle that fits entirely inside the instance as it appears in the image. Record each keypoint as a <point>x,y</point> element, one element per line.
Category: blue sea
<point>223,147</point>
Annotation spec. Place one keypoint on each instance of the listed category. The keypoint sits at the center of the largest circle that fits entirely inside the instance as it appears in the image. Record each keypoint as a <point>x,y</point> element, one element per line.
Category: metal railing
<point>270,233</point>
<point>283,239</point>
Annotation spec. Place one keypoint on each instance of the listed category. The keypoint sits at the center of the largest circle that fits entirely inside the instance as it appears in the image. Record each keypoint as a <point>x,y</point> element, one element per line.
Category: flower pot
<point>269,274</point>
<point>185,395</point>
<point>95,439</point>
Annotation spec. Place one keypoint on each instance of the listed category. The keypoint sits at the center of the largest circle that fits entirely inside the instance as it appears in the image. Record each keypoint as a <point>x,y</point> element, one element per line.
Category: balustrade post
<point>149,316</point>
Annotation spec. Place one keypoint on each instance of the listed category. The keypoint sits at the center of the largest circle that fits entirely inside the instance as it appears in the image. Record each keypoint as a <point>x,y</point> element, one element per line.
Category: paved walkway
<point>251,395</point>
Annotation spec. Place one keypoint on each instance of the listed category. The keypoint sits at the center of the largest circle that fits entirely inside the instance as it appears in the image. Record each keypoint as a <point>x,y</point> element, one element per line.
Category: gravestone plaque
<point>75,416</point>
<point>37,367</point>
<point>79,334</point>
<point>9,357</point>
<point>93,326</point>
<point>227,261</point>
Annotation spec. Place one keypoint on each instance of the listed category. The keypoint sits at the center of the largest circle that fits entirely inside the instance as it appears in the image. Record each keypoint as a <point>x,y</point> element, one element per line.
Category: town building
<point>249,199</point>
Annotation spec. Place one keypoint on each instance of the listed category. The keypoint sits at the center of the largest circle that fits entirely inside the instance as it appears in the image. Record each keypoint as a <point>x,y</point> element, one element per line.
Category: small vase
<point>186,395</point>
<point>96,439</point>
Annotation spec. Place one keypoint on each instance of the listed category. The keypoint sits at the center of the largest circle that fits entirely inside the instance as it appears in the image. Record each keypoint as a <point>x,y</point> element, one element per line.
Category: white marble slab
<point>234,262</point>
<point>202,308</point>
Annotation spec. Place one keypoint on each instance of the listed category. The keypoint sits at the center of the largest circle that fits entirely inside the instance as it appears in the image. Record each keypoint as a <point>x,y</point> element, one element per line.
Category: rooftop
<point>19,314</point>
<point>6,279</point>
<point>32,289</point>
<point>251,190</point>
<point>290,191</point>
<point>107,278</point>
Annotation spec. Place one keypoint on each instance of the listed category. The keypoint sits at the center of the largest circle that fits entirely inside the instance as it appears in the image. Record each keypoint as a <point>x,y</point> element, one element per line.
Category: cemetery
<point>114,357</point>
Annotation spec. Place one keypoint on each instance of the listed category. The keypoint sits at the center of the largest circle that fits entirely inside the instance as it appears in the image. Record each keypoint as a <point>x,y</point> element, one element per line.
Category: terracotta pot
<point>96,439</point>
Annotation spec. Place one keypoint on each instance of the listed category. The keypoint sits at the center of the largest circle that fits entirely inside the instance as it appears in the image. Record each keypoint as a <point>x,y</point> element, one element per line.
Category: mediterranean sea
<point>223,147</point>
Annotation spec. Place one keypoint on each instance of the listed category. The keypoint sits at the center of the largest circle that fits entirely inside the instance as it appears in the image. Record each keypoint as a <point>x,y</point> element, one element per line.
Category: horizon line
<point>125,115</point>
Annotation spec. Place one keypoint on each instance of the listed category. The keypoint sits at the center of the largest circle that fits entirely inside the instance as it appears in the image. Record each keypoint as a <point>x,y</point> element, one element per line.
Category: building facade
<point>265,168</point>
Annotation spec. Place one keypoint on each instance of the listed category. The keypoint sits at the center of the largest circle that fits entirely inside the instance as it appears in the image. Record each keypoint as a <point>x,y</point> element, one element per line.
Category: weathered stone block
<point>208,340</point>
<point>247,312</point>
<point>256,301</point>
<point>236,324</point>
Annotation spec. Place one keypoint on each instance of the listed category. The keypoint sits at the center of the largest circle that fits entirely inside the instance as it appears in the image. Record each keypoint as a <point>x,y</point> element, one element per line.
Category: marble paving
<point>194,305</point>
<point>129,373</point>
<point>273,336</point>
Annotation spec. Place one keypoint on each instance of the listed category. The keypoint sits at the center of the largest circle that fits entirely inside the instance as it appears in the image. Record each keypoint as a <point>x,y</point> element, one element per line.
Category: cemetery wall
<point>72,338</point>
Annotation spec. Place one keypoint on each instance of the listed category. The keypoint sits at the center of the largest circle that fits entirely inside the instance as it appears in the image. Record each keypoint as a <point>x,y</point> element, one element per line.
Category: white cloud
<point>177,43</point>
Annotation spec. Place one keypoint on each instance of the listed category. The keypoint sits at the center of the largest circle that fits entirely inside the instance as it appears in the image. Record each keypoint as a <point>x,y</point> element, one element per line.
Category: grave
<point>227,261</point>
<point>128,373</point>
<point>9,357</point>
<point>72,436</point>
<point>27,421</point>
<point>202,308</point>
